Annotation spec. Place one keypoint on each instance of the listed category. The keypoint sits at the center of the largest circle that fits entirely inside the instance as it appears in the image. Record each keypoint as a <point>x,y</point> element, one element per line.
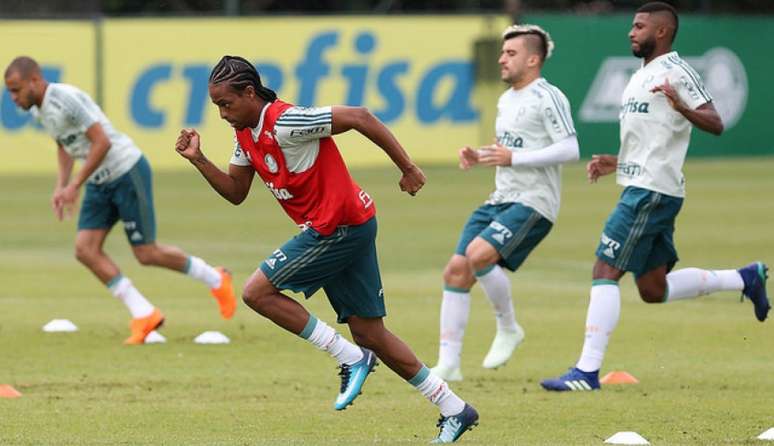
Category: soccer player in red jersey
<point>292,150</point>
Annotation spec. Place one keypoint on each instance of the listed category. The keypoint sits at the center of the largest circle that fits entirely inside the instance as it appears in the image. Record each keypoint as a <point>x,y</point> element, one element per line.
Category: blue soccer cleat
<point>754,276</point>
<point>352,378</point>
<point>574,380</point>
<point>454,426</point>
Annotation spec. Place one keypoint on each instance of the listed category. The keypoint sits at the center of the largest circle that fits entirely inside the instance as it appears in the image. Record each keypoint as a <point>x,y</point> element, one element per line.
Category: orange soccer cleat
<point>225,294</point>
<point>142,326</point>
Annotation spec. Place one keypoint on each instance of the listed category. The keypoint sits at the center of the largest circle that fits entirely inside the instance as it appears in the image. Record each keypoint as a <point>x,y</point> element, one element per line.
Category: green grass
<point>705,365</point>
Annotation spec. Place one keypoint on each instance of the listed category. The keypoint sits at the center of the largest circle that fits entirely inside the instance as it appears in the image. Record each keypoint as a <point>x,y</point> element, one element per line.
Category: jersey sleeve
<point>689,86</point>
<point>298,125</point>
<point>77,112</point>
<point>239,158</point>
<point>557,117</point>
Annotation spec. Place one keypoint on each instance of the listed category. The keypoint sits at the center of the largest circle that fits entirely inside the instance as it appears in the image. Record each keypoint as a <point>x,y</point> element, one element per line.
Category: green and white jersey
<point>66,113</point>
<point>529,119</point>
<point>654,136</point>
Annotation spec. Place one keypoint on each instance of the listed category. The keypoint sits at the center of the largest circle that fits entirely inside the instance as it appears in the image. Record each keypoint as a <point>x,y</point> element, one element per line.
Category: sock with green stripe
<point>688,283</point>
<point>324,337</point>
<point>438,392</point>
<point>497,287</point>
<point>455,308</point>
<point>200,270</point>
<point>135,302</point>
<point>601,319</point>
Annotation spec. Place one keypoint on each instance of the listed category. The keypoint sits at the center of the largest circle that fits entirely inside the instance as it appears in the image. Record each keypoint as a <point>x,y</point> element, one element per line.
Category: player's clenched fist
<point>413,179</point>
<point>187,144</point>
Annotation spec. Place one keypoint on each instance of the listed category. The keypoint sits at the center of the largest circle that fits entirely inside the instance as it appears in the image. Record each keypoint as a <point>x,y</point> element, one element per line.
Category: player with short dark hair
<point>661,103</point>
<point>117,178</point>
<point>292,150</point>
<point>535,136</point>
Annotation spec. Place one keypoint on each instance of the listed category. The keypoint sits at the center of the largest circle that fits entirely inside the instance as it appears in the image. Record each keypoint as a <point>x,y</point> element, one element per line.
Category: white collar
<point>256,131</point>
<point>663,56</point>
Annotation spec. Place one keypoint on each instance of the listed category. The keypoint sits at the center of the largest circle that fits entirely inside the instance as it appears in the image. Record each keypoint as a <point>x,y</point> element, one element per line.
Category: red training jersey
<point>324,195</point>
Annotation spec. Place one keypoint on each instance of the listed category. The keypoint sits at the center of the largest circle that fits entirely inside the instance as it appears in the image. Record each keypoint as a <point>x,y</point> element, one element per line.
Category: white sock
<point>325,338</point>
<point>138,305</point>
<point>498,289</point>
<point>692,282</point>
<point>455,308</point>
<point>200,270</point>
<point>601,319</point>
<point>438,392</point>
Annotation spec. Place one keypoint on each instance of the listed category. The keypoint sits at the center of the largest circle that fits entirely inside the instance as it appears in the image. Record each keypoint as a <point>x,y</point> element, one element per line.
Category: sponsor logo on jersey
<point>307,131</point>
<point>67,139</point>
<point>365,198</point>
<point>271,163</point>
<point>279,193</point>
<point>632,106</point>
<point>611,246</point>
<point>630,170</point>
<point>508,139</point>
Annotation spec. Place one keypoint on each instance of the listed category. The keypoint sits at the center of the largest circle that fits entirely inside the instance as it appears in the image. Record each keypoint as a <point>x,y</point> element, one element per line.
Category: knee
<point>366,338</point>
<point>146,257</point>
<point>84,254</point>
<point>458,274</point>
<point>652,294</point>
<point>481,254</point>
<point>477,260</point>
<point>257,297</point>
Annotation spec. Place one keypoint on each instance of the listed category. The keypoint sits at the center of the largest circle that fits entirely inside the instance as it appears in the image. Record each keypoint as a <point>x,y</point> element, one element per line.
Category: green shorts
<point>513,229</point>
<point>638,235</point>
<point>344,264</point>
<point>129,198</point>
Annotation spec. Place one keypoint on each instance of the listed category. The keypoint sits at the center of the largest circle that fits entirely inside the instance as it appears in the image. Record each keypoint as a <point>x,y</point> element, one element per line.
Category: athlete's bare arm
<point>65,168</point>
<point>100,144</point>
<point>346,118</point>
<point>233,186</point>
<point>705,117</point>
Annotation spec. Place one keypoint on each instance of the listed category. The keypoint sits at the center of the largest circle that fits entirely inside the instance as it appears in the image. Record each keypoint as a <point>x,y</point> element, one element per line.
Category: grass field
<point>706,366</point>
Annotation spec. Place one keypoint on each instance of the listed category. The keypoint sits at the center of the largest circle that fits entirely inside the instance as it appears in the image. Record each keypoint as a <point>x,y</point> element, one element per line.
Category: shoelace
<point>344,373</point>
<point>440,423</point>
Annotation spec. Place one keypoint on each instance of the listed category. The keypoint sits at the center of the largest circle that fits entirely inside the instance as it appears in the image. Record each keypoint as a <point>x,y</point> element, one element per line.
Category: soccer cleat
<point>142,326</point>
<point>447,373</point>
<point>505,342</point>
<point>754,276</point>
<point>225,294</point>
<point>574,380</point>
<point>352,378</point>
<point>454,426</point>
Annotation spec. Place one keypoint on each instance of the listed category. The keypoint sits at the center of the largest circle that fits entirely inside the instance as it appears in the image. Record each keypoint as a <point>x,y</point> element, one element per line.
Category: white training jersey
<point>66,113</point>
<point>529,119</point>
<point>299,147</point>
<point>654,136</point>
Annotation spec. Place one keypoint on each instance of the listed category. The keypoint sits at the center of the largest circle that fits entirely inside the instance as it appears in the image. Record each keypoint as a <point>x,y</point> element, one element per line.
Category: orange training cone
<point>618,377</point>
<point>7,391</point>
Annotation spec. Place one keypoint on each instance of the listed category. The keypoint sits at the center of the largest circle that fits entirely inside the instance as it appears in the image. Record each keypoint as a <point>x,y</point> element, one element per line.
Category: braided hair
<point>240,74</point>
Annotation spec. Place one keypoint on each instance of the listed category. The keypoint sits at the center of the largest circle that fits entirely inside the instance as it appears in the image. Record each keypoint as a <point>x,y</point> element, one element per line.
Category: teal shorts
<point>129,198</point>
<point>638,235</point>
<point>344,264</point>
<point>513,229</point>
